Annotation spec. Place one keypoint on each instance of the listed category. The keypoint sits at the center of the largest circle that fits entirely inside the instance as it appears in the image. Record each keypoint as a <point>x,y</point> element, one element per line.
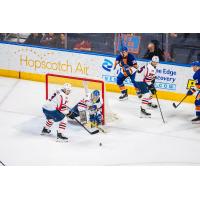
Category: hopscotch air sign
<point>44,60</point>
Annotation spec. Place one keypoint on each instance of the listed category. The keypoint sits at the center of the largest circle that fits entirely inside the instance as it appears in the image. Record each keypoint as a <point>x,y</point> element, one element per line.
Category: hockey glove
<point>92,108</point>
<point>152,89</point>
<point>70,115</point>
<point>191,91</point>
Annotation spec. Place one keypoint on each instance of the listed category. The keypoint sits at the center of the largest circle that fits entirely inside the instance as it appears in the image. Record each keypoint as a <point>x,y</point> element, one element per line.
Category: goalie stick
<point>90,132</point>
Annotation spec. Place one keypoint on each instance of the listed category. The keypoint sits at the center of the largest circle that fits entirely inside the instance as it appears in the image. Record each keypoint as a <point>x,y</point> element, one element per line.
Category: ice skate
<point>139,94</point>
<point>196,120</point>
<point>124,96</point>
<point>144,114</point>
<point>152,105</point>
<point>45,131</point>
<point>61,138</point>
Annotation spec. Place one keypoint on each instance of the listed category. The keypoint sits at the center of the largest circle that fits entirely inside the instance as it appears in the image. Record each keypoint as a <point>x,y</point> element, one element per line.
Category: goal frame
<point>79,78</point>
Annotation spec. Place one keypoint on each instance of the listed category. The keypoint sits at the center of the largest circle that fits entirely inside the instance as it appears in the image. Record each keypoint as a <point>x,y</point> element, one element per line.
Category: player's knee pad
<point>132,77</point>
<point>119,81</point>
<point>64,120</point>
<point>143,87</point>
<point>197,102</point>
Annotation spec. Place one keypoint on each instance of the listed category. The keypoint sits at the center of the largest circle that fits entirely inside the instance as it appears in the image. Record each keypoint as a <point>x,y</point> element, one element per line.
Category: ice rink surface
<point>130,140</point>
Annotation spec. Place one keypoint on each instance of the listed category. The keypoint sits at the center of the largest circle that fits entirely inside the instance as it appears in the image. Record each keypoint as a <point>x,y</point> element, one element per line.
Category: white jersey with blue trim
<point>58,101</point>
<point>146,73</point>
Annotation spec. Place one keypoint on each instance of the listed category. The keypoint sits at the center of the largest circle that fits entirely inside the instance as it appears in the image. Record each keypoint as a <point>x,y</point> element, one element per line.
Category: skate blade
<point>45,134</point>
<point>124,99</point>
<point>61,140</point>
<point>145,116</point>
<point>151,108</point>
<point>197,122</point>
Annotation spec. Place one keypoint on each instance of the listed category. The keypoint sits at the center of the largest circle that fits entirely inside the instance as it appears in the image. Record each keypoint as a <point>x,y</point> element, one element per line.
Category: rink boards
<point>33,62</point>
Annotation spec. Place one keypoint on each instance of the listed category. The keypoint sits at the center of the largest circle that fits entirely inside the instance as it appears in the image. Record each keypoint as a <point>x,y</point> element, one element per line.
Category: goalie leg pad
<point>83,116</point>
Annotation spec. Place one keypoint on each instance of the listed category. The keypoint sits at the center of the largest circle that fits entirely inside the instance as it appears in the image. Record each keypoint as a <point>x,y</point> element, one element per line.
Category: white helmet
<point>67,87</point>
<point>155,59</point>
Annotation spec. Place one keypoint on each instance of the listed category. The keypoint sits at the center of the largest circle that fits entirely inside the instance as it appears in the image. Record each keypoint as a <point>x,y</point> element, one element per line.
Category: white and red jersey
<point>58,101</point>
<point>146,73</point>
<point>85,103</point>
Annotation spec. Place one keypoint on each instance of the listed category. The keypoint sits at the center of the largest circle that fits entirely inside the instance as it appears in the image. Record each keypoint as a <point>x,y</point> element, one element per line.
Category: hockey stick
<point>160,108</point>
<point>175,106</point>
<point>2,163</point>
<point>91,132</point>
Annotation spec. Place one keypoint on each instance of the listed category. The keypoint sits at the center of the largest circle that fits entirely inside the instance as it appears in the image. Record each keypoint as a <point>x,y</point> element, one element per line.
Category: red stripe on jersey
<point>61,104</point>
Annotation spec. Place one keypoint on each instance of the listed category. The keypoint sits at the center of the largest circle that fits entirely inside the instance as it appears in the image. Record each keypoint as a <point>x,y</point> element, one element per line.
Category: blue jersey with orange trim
<point>127,63</point>
<point>129,60</point>
<point>196,77</point>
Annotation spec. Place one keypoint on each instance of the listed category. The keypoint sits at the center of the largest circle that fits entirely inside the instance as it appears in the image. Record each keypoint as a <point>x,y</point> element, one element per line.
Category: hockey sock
<point>49,123</point>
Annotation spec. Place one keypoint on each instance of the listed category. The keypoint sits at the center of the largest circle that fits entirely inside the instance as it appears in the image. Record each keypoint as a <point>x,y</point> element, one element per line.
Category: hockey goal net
<point>80,88</point>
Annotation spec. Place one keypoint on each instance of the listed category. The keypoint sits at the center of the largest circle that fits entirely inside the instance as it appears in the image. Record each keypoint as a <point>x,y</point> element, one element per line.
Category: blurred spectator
<point>60,42</point>
<point>83,45</point>
<point>34,38</point>
<point>49,39</point>
<point>198,57</point>
<point>173,35</point>
<point>2,36</point>
<point>154,50</point>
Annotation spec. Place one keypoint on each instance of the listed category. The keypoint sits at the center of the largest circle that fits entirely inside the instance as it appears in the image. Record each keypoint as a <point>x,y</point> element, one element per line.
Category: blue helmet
<point>124,49</point>
<point>196,63</point>
<point>95,95</point>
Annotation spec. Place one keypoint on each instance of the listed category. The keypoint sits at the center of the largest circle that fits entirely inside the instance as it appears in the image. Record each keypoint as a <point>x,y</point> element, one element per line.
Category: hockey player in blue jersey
<point>128,65</point>
<point>192,90</point>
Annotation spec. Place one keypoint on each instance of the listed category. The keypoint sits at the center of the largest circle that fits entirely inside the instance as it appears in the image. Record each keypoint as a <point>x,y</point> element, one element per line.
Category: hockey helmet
<point>95,95</point>
<point>155,59</point>
<point>196,64</point>
<point>124,49</point>
<point>67,87</point>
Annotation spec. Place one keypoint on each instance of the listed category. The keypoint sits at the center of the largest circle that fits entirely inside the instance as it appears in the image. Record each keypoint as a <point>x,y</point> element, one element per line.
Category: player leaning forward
<point>196,68</point>
<point>56,110</point>
<point>145,79</point>
<point>128,67</point>
<point>91,104</point>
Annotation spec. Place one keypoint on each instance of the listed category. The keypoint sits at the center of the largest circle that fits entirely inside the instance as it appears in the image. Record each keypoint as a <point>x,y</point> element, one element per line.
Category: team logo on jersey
<point>107,65</point>
<point>190,83</point>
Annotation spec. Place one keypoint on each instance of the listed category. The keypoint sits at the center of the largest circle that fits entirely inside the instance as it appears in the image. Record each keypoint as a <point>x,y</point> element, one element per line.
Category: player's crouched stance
<point>196,77</point>
<point>89,110</point>
<point>145,78</point>
<point>55,110</point>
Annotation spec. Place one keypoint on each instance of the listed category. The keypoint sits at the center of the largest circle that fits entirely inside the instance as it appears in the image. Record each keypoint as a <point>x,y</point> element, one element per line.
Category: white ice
<point>129,141</point>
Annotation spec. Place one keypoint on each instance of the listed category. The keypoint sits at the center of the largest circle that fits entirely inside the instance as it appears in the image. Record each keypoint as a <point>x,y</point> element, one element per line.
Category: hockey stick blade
<point>174,105</point>
<point>91,132</point>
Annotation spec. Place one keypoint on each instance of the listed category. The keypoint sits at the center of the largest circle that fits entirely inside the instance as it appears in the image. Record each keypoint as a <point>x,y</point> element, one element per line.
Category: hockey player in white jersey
<point>145,78</point>
<point>55,110</point>
<point>92,105</point>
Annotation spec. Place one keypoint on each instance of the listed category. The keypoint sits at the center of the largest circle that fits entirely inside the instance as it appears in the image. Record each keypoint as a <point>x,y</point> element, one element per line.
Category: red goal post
<point>101,82</point>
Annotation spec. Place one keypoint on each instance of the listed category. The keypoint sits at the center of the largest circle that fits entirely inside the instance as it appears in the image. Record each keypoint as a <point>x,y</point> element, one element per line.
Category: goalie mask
<point>95,95</point>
